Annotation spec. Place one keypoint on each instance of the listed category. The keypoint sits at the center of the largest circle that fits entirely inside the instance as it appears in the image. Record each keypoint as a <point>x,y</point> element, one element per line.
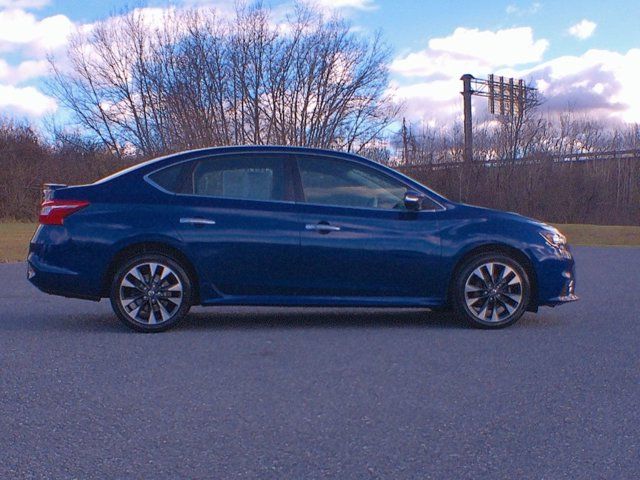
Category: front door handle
<point>322,227</point>
<point>197,221</point>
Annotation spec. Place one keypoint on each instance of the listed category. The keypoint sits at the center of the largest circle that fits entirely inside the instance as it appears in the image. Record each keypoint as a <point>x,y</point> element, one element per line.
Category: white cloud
<point>472,50</point>
<point>514,9</point>
<point>355,4</point>
<point>599,81</point>
<point>511,46</point>
<point>433,101</point>
<point>583,29</point>
<point>26,100</point>
<point>31,39</point>
<point>24,71</point>
<point>20,29</point>
<point>24,3</point>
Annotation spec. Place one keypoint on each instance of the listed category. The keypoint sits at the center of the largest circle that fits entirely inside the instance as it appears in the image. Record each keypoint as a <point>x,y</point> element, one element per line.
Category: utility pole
<point>404,142</point>
<point>468,134</point>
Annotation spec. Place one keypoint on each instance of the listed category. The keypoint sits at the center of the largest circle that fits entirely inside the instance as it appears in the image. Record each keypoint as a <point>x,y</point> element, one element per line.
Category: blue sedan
<point>289,226</point>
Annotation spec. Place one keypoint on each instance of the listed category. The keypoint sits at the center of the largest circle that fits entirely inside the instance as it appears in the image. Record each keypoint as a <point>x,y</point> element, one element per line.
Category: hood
<point>475,211</point>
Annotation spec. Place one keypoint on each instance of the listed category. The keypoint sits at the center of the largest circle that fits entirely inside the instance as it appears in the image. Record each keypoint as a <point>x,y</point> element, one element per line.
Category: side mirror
<point>413,200</point>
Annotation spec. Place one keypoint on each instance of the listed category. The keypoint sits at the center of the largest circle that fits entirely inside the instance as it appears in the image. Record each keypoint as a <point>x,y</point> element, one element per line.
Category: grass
<point>15,236</point>
<point>14,240</point>
<point>601,235</point>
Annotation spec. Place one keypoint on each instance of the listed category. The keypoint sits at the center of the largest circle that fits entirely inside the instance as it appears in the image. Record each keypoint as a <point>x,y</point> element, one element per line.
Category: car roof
<point>166,160</point>
<point>261,148</point>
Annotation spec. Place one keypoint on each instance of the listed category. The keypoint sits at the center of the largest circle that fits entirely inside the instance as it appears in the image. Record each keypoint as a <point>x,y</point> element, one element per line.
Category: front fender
<point>483,231</point>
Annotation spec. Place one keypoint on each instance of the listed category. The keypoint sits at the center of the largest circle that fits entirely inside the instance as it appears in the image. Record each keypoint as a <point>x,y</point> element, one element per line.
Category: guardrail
<point>611,155</point>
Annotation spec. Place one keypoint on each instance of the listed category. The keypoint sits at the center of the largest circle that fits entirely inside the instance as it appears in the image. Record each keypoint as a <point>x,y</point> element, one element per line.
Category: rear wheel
<point>151,293</point>
<point>491,291</point>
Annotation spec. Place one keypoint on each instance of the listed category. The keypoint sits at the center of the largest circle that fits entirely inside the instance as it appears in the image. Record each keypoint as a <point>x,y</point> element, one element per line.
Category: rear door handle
<point>322,227</point>
<point>197,221</point>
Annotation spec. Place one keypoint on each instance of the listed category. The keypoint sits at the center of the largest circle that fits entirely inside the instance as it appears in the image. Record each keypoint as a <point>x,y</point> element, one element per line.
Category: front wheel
<point>491,291</point>
<point>151,293</point>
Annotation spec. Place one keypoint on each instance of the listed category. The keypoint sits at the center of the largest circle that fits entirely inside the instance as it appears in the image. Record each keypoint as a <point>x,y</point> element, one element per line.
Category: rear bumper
<point>56,280</point>
<point>58,265</point>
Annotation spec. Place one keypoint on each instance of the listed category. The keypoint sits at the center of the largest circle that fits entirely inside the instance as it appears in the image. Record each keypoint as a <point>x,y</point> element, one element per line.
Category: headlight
<point>554,238</point>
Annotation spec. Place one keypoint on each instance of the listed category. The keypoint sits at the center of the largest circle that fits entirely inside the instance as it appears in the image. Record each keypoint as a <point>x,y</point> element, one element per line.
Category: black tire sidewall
<point>125,266</point>
<point>459,301</point>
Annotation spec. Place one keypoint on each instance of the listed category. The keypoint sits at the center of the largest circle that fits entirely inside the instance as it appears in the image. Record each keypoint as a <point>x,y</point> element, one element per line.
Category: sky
<point>582,55</point>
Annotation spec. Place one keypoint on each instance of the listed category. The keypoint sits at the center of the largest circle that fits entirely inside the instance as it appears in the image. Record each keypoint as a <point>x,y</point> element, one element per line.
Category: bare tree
<point>518,133</point>
<point>193,79</point>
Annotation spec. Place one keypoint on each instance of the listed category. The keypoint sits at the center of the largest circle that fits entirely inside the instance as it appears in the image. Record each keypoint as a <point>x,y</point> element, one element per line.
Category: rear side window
<point>239,177</point>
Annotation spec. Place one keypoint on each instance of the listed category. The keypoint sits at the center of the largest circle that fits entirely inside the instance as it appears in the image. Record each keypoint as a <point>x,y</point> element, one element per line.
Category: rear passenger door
<point>236,216</point>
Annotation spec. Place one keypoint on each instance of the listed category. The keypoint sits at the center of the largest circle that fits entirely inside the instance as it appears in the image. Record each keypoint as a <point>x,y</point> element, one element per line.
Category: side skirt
<point>300,301</point>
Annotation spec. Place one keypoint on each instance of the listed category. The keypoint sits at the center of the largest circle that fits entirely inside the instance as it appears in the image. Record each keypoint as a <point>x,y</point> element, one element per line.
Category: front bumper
<point>568,293</point>
<point>555,271</point>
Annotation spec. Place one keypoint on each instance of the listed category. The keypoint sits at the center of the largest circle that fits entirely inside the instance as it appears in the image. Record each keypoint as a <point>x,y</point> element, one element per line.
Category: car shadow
<point>252,318</point>
<point>246,318</point>
<point>297,318</point>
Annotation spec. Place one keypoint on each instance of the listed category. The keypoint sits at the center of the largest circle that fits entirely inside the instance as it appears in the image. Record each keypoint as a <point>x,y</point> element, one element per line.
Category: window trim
<point>299,188</point>
<point>293,182</point>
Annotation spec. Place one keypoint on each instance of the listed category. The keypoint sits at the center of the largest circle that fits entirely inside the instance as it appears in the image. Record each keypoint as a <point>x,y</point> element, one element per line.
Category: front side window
<point>327,181</point>
<point>246,178</point>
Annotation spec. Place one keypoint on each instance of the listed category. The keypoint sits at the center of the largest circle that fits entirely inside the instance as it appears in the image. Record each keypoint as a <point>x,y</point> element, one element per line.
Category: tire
<point>151,292</point>
<point>491,290</point>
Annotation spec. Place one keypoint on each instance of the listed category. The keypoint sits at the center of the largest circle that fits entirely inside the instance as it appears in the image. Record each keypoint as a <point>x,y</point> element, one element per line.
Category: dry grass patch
<point>601,235</point>
<point>14,240</point>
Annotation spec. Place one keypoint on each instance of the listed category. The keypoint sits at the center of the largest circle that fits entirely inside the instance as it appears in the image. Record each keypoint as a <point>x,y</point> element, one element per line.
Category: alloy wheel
<point>151,293</point>
<point>493,292</point>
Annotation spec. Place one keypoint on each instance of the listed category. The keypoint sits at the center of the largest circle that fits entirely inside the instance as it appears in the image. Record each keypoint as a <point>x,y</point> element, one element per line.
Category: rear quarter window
<point>172,179</point>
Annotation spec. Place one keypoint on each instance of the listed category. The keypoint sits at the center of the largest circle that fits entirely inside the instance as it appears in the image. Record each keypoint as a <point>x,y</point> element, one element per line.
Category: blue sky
<point>583,54</point>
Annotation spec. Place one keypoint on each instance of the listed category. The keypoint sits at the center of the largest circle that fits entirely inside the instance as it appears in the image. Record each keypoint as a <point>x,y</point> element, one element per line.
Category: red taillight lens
<point>53,212</point>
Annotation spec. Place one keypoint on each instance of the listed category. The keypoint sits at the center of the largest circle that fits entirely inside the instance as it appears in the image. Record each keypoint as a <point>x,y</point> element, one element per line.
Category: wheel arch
<point>504,249</point>
<point>144,247</point>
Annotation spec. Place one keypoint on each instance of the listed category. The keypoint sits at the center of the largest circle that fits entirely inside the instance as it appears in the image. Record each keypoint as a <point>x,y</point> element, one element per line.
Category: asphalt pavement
<point>311,393</point>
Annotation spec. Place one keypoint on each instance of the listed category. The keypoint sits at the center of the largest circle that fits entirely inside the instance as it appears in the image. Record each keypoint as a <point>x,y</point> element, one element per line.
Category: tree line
<point>566,167</point>
<point>28,159</point>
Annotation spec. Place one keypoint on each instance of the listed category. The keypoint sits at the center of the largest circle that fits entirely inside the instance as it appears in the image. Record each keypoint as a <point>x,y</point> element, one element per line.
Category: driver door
<point>359,241</point>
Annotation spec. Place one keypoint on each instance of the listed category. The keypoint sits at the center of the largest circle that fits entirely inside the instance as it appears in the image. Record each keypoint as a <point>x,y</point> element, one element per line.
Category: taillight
<point>53,212</point>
